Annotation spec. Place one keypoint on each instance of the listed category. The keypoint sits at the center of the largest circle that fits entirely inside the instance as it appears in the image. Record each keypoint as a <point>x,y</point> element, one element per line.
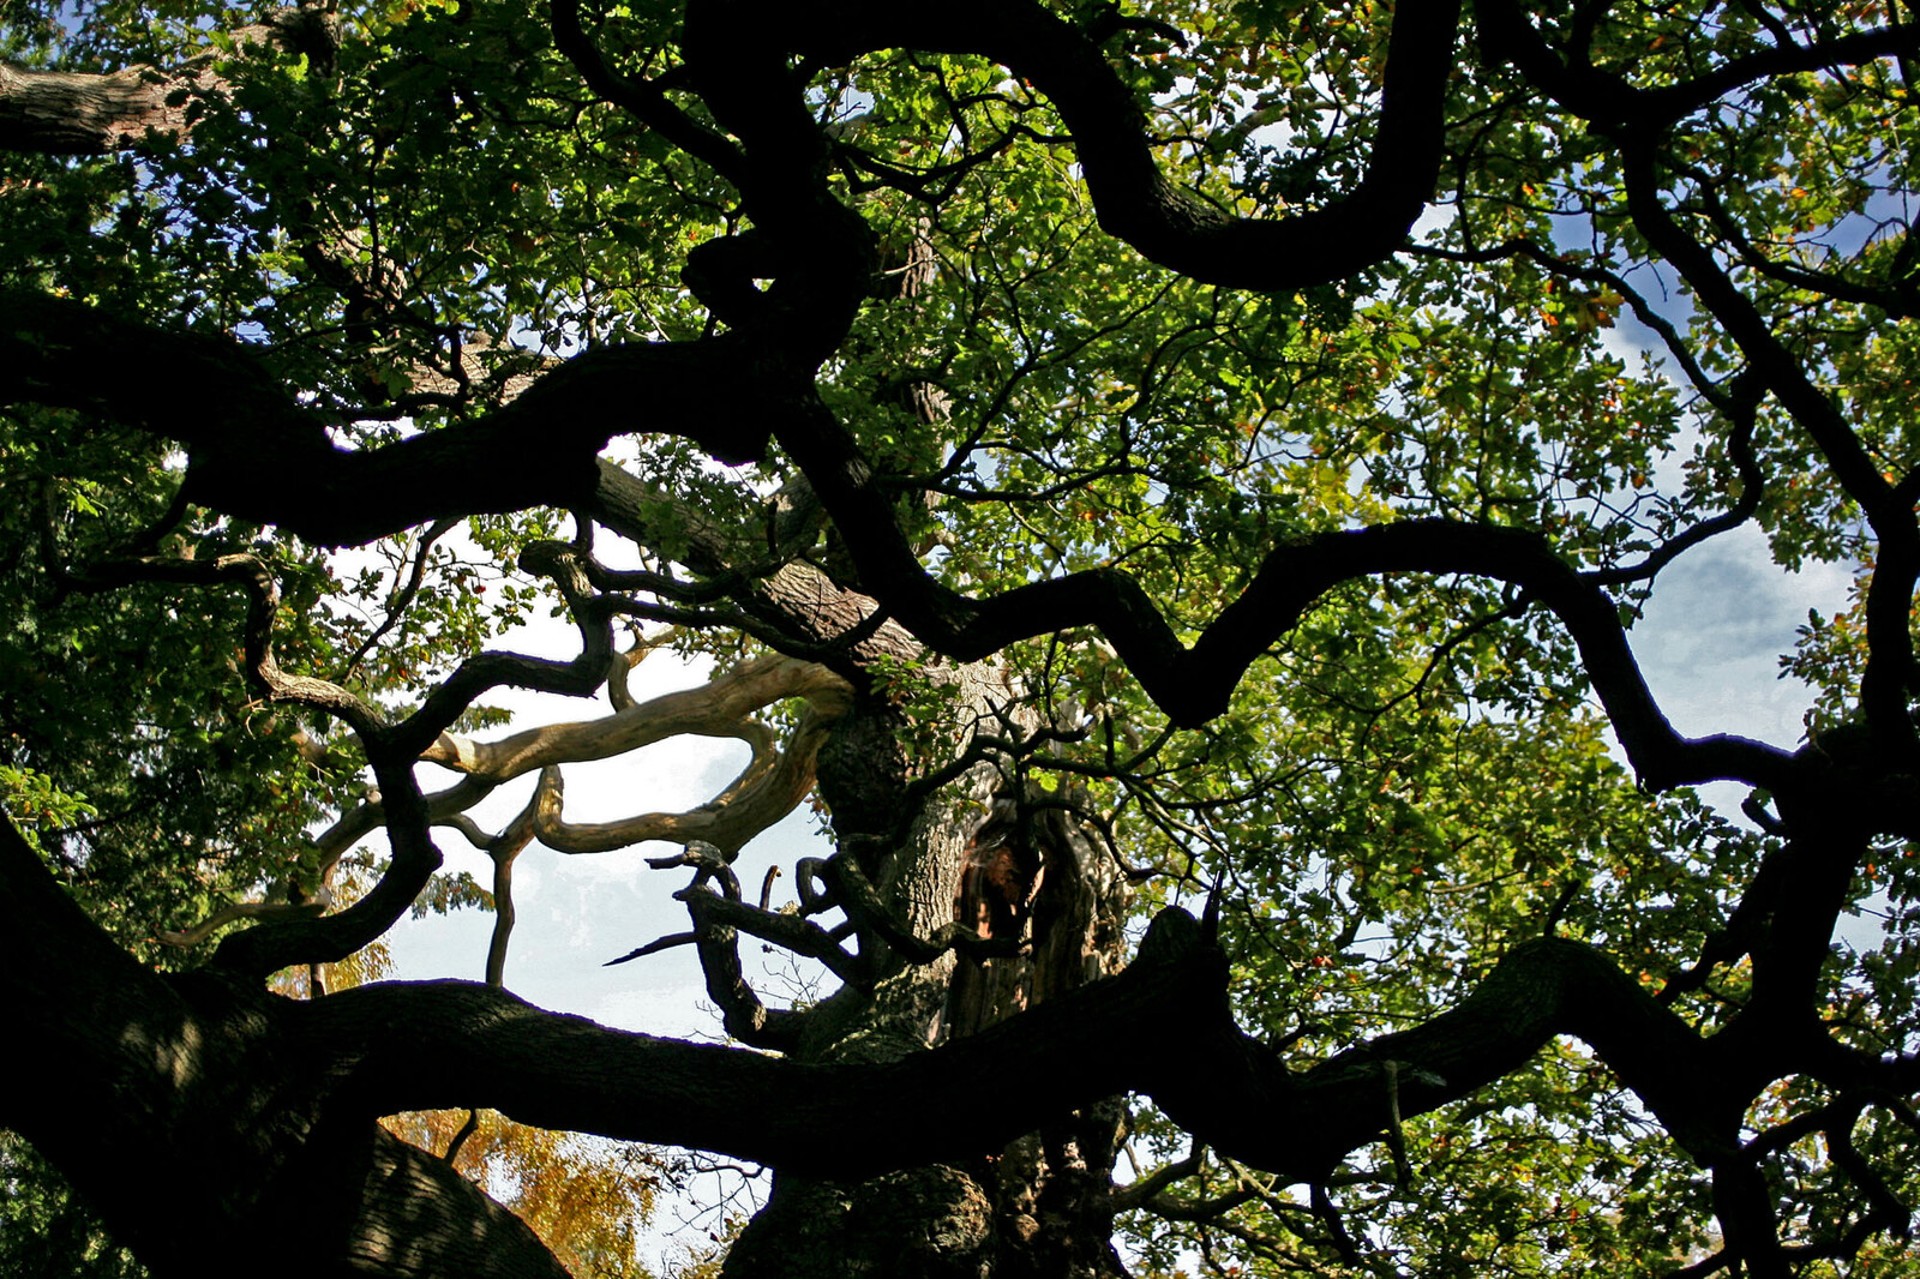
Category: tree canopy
<point>1173,484</point>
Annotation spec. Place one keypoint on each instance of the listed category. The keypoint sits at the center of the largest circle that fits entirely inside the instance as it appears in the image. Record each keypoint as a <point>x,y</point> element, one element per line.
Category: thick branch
<point>69,113</point>
<point>331,938</point>
<point>1194,684</point>
<point>715,709</point>
<point>255,453</point>
<point>323,492</point>
<point>110,1054</point>
<point>445,1044</point>
<point>1135,201</point>
<point>774,781</point>
<point>64,113</point>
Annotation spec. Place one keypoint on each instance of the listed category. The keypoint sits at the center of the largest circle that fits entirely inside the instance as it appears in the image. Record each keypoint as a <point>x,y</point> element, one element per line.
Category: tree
<point>1200,450</point>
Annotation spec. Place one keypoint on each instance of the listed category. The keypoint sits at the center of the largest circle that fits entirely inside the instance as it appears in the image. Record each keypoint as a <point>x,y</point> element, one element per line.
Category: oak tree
<point>1173,483</point>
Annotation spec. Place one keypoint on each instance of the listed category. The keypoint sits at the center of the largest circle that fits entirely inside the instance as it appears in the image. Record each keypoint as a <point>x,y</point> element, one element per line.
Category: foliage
<point>49,1229</point>
<point>1308,584</point>
<point>586,1198</point>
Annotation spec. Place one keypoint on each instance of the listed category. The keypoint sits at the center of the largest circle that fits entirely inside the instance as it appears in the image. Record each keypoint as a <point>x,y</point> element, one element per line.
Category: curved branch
<point>257,952</point>
<point>1194,684</point>
<point>577,677</point>
<point>715,709</point>
<point>255,453</point>
<point>1888,681</point>
<point>1134,200</point>
<point>234,912</point>
<point>643,99</point>
<point>774,781</point>
<point>1744,406</point>
<point>1506,35</point>
<point>439,1045</point>
<point>263,599</point>
<point>445,808</point>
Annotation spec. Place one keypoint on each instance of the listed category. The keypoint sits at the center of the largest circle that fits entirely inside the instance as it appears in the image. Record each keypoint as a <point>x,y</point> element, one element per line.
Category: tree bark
<point>186,1112</point>
<point>69,113</point>
<point>984,858</point>
<point>61,113</point>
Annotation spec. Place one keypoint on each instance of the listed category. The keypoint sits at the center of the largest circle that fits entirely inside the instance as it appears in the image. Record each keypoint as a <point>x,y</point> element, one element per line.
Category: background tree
<point>1189,446</point>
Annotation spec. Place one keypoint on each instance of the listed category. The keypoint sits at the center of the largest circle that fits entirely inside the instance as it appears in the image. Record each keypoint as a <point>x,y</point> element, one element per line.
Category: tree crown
<point>1240,437</point>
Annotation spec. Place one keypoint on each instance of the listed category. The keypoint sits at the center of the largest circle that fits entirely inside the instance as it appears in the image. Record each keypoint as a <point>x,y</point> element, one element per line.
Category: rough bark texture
<point>67,113</point>
<point>981,857</point>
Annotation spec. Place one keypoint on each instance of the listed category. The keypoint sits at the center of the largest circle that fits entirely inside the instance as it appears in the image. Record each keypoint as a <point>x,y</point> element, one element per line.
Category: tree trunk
<point>984,857</point>
<point>186,1113</point>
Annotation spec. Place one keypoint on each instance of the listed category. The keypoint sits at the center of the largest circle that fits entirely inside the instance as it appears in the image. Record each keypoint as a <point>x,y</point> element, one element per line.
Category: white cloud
<point>1721,617</point>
